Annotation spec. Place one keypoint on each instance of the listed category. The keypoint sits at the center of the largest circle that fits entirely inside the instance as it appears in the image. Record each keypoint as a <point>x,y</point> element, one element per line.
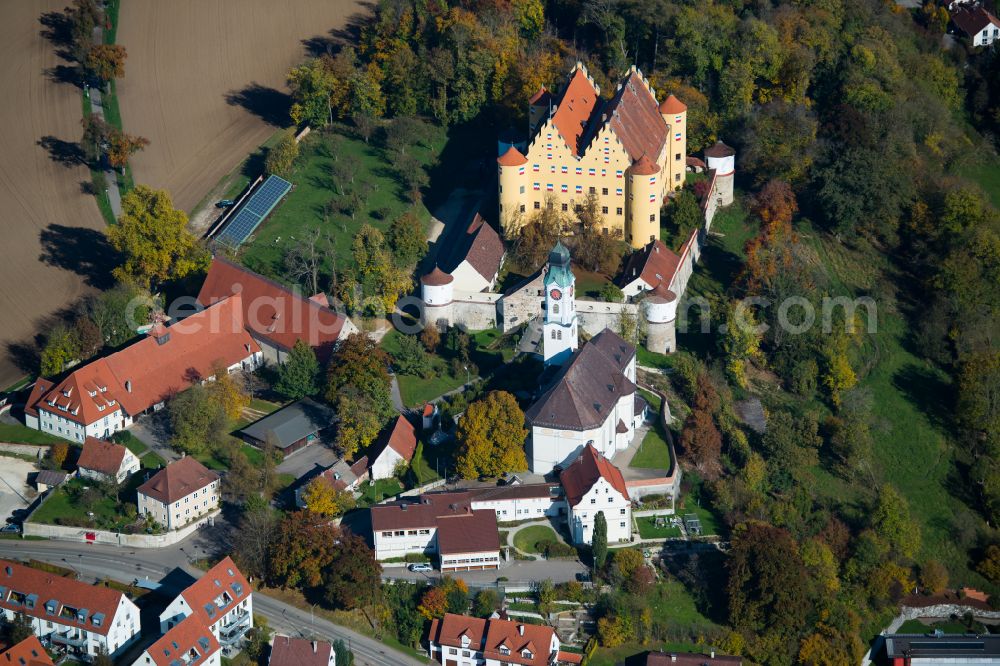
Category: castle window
<point>652,218</point>
<point>677,176</point>
<point>522,189</point>
<point>555,308</point>
<point>538,205</point>
<point>565,207</point>
<point>618,211</point>
<point>593,190</point>
<point>550,205</point>
<point>677,156</point>
<point>522,210</point>
<point>558,335</point>
<point>604,209</point>
<point>604,191</point>
<point>604,230</point>
<point>553,335</point>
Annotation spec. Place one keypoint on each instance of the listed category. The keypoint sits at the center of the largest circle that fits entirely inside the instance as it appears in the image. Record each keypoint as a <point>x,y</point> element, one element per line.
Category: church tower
<point>560,329</point>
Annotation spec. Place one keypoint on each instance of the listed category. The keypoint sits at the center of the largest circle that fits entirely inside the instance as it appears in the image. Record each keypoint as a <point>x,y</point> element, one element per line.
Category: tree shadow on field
<point>928,391</point>
<point>57,28</point>
<point>85,252</point>
<point>337,38</point>
<point>64,74</point>
<point>268,104</point>
<point>66,153</point>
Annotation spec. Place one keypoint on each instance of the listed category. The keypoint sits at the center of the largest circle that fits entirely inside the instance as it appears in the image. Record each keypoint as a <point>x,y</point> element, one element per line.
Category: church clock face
<point>555,294</point>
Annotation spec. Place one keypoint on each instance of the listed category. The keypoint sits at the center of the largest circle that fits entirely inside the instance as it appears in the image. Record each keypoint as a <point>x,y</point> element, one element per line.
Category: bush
<point>558,549</point>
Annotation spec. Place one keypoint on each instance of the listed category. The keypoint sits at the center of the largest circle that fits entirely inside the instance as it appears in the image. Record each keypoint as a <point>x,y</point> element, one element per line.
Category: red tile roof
<point>635,118</point>
<point>973,19</point>
<point>575,107</point>
<point>272,311</point>
<point>540,98</point>
<point>437,278</point>
<point>569,658</point>
<point>512,157</point>
<point>177,480</point>
<point>645,166</point>
<point>28,652</point>
<point>176,645</point>
<point>424,513</point>
<point>70,597</point>
<point>41,387</point>
<point>217,592</point>
<point>672,105</point>
<point>480,246</point>
<point>101,456</point>
<point>488,636</point>
<point>474,532</point>
<point>583,473</point>
<point>154,372</point>
<point>719,149</point>
<point>654,264</point>
<point>401,437</point>
<point>289,651</point>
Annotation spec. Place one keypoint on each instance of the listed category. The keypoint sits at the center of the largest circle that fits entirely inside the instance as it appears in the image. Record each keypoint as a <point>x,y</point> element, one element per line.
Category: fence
<point>84,535</point>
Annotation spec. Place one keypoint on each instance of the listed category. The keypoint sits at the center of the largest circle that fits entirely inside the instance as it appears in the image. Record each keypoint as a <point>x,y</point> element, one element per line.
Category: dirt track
<point>40,197</point>
<point>205,81</point>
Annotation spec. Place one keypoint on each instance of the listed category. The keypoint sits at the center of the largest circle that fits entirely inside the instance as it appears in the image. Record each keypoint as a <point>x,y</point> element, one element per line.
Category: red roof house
<point>396,444</point>
<point>497,639</point>
<point>28,652</point>
<point>102,460</point>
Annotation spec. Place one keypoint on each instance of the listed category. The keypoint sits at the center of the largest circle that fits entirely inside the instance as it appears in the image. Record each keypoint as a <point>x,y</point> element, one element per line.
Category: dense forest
<point>854,122</point>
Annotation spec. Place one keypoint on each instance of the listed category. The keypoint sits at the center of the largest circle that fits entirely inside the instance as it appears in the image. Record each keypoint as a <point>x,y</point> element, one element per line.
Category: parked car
<point>583,577</point>
<point>12,528</point>
<point>423,566</point>
<point>225,203</point>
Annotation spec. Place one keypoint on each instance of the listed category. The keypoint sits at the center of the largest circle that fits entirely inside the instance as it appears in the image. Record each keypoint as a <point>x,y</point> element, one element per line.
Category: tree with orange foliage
<point>434,603</point>
<point>121,146</point>
<point>770,253</point>
<point>106,61</point>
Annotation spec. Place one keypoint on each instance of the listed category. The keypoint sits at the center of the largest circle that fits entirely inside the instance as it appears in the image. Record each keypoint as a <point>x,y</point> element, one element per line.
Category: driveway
<point>308,459</point>
<point>152,430</point>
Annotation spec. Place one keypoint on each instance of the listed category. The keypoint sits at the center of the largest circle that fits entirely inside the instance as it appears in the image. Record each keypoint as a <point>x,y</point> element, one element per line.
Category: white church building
<point>592,397</point>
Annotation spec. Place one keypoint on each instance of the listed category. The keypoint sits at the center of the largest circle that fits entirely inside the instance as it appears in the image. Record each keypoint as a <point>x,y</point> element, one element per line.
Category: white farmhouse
<point>592,400</point>
<point>104,461</point>
<point>396,445</point>
<point>190,642</point>
<point>84,619</point>
<point>181,492</point>
<point>221,600</point>
<point>982,27</point>
<point>461,640</point>
<point>593,485</point>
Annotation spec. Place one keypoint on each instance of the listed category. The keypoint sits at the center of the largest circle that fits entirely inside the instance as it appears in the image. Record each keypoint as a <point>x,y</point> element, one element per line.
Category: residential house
<point>292,427</point>
<point>682,659</point>
<point>181,492</point>
<point>276,316</point>
<point>105,395</point>
<point>340,475</point>
<point>105,461</point>
<point>592,400</point>
<point>629,152</point>
<point>189,643</point>
<point>28,652</point>
<point>936,648</point>
<point>982,27</point>
<point>289,651</point>
<point>221,599</point>
<point>461,640</point>
<point>593,485</point>
<point>395,446</point>
<point>83,619</point>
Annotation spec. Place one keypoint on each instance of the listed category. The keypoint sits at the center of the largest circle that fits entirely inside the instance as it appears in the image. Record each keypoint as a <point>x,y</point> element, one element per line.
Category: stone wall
<point>474,311</point>
<point>80,534</point>
<point>522,305</point>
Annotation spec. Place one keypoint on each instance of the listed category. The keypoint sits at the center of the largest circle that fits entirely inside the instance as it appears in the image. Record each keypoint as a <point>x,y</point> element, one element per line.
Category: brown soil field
<point>50,231</point>
<point>205,81</point>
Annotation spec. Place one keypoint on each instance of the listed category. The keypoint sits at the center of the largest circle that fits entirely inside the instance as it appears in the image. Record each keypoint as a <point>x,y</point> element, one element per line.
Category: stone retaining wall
<point>84,535</point>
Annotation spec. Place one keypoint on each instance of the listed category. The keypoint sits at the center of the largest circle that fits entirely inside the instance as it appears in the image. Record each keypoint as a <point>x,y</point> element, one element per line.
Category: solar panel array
<point>253,211</point>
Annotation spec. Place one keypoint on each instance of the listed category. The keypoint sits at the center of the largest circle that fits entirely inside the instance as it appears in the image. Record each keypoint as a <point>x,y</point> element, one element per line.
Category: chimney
<point>314,647</point>
<point>520,630</point>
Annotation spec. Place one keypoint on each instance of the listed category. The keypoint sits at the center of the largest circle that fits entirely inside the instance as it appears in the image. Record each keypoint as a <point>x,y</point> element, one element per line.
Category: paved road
<point>308,459</point>
<point>519,572</point>
<point>122,564</point>
<point>152,431</point>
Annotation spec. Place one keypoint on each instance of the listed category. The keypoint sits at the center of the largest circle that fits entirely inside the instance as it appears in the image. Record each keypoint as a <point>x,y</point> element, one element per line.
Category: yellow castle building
<point>629,150</point>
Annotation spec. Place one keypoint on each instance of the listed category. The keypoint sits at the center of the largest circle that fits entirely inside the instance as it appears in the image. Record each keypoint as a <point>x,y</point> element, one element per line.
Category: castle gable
<point>635,118</point>
<point>575,109</point>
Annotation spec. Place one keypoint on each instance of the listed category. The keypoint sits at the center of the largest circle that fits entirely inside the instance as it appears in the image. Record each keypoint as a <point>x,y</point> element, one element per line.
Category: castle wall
<point>474,311</point>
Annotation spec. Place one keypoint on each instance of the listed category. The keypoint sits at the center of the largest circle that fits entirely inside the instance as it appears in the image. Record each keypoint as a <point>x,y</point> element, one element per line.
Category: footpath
<point>97,107</point>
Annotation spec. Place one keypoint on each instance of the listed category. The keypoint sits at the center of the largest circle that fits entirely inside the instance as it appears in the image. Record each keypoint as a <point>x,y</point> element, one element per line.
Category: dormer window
<point>100,408</point>
<point>527,654</point>
<point>504,650</point>
<point>465,640</point>
<point>92,394</point>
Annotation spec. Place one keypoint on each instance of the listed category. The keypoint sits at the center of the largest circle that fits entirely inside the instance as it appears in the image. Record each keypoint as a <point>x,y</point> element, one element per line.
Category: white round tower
<point>436,290</point>
<point>661,320</point>
<point>722,158</point>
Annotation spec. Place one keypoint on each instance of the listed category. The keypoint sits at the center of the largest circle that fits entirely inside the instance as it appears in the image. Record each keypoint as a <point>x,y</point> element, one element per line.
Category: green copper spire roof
<point>559,271</point>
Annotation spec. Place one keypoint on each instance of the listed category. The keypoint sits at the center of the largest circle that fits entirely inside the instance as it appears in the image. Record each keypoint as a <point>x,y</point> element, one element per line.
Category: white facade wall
<point>124,631</point>
<point>552,446</point>
<point>617,512</point>
<point>54,423</point>
<point>509,510</point>
<point>468,278</point>
<point>214,659</point>
<point>200,502</point>
<point>402,542</point>
<point>385,464</point>
<point>178,609</point>
<point>130,465</point>
<point>985,37</point>
<point>469,656</point>
<point>489,559</point>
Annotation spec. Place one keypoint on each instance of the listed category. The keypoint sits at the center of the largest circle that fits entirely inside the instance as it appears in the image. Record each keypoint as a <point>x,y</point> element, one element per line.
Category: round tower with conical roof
<point>722,158</point>
<point>513,190</point>
<point>661,320</point>
<point>674,114</point>
<point>645,195</point>
<point>436,290</point>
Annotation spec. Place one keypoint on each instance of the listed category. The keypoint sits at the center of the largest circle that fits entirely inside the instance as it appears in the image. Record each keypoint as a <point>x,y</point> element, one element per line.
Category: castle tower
<point>539,107</point>
<point>674,113</point>
<point>559,332</point>
<point>513,189</point>
<point>722,158</point>
<point>436,292</point>
<point>644,202</point>
<point>661,320</point>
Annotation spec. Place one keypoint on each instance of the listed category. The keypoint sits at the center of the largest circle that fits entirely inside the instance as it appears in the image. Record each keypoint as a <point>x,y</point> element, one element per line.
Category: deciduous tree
<point>491,437</point>
<point>282,155</point>
<point>121,146</point>
<point>354,578</point>
<point>106,61</point>
<point>304,546</point>
<point>407,240</point>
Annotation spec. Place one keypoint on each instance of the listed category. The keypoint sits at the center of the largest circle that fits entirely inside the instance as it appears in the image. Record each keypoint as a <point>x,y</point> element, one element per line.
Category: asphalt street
<point>122,564</point>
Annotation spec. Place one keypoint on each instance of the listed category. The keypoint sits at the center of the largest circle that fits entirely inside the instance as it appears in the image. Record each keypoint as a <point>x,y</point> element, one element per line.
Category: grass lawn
<point>149,459</point>
<point>19,434</point>
<point>588,285</point>
<point>373,493</point>
<point>416,391</point>
<point>653,453</point>
<point>984,171</point>
<point>918,627</point>
<point>710,523</point>
<point>304,208</point>
<point>59,504</point>
<point>649,530</point>
<point>528,538</point>
<point>208,459</point>
<point>423,466</point>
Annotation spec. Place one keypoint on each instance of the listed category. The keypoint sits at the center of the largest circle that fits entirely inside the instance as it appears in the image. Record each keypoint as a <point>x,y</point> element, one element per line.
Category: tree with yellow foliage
<point>491,437</point>
<point>229,392</point>
<point>322,498</point>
